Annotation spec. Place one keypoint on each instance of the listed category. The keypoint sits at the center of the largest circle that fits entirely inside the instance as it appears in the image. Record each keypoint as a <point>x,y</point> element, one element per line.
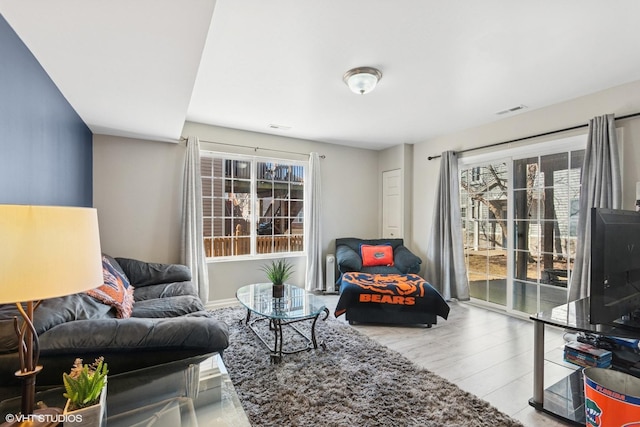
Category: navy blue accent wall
<point>45,147</point>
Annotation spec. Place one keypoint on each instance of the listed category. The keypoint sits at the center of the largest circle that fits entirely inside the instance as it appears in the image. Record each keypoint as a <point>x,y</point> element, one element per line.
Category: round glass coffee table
<point>295,306</point>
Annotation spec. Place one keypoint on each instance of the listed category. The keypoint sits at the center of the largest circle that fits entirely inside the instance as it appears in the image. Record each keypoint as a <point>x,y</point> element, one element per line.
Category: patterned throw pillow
<point>376,255</point>
<point>116,290</point>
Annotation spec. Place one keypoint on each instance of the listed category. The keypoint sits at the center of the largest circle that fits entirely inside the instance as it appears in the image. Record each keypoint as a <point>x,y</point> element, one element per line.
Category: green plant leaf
<point>84,385</point>
<point>278,271</point>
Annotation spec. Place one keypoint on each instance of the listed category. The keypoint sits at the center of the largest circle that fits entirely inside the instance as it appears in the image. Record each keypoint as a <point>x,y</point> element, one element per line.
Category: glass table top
<point>131,390</point>
<point>575,315</point>
<point>296,303</point>
<point>174,389</point>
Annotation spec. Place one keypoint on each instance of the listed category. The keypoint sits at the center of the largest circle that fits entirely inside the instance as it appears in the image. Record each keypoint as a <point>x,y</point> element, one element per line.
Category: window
<point>251,205</point>
<point>475,174</point>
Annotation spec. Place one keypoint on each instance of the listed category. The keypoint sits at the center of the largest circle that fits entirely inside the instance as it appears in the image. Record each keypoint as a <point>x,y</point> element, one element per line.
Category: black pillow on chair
<point>348,259</point>
<point>405,261</point>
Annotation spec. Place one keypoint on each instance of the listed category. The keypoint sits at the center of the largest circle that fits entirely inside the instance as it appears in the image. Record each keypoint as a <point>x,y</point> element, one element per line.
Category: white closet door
<point>392,204</point>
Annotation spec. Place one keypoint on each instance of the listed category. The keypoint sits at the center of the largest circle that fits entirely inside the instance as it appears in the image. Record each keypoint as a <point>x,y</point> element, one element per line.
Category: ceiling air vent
<point>511,110</point>
<point>281,127</point>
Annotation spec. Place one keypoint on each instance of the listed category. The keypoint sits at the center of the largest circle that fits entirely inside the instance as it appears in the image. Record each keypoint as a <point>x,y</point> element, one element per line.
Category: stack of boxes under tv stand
<point>565,399</point>
<point>625,352</point>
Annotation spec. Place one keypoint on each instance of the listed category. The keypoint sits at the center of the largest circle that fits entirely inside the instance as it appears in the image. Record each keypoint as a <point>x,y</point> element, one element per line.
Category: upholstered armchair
<point>379,283</point>
<point>349,257</point>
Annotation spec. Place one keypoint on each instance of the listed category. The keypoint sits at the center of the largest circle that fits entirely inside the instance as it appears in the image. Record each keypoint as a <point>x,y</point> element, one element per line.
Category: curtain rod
<point>322,156</point>
<point>628,116</point>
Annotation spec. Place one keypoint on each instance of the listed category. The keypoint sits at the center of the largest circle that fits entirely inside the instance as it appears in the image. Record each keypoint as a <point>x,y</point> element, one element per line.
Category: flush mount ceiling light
<point>362,80</point>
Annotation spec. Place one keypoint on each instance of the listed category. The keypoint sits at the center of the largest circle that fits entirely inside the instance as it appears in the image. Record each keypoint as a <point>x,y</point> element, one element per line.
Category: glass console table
<point>565,399</point>
<point>295,306</point>
<point>186,393</point>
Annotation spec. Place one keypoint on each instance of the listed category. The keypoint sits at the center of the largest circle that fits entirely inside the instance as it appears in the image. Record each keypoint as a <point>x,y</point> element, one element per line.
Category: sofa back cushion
<point>164,290</point>
<point>142,273</point>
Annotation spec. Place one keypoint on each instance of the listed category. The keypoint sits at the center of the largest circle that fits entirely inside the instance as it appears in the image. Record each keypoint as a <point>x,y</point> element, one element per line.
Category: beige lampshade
<point>48,251</point>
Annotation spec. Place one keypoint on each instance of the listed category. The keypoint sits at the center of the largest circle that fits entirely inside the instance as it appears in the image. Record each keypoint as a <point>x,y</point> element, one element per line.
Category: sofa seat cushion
<point>8,337</point>
<point>380,269</point>
<point>54,311</point>
<point>133,334</point>
<point>167,307</point>
<point>50,313</point>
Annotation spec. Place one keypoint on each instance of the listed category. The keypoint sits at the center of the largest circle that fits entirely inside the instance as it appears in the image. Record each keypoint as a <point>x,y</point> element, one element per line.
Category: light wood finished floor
<point>487,353</point>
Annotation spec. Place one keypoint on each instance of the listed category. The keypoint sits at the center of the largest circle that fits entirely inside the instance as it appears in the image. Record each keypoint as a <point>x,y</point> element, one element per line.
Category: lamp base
<point>45,417</point>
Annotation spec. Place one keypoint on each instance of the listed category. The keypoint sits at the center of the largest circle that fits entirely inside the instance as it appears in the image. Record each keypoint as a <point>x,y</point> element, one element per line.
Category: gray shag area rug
<point>353,382</point>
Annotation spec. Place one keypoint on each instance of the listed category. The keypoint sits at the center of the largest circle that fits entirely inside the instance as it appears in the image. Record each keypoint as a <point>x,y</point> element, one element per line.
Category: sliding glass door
<point>484,193</point>
<point>546,198</point>
<point>519,219</point>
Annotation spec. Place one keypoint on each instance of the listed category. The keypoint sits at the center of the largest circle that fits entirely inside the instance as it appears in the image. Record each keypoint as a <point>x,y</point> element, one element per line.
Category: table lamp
<point>45,252</point>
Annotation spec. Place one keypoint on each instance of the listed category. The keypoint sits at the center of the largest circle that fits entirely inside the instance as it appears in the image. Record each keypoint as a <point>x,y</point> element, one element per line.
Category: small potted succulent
<point>86,391</point>
<point>278,271</point>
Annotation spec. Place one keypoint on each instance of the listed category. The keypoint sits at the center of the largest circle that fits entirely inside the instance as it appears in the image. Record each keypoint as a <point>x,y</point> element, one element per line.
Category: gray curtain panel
<point>445,267</point>
<point>192,246</point>
<point>601,188</point>
<point>313,230</point>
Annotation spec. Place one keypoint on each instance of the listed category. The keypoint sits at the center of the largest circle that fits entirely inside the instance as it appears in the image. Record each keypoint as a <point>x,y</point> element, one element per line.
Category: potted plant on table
<point>278,271</point>
<point>86,392</point>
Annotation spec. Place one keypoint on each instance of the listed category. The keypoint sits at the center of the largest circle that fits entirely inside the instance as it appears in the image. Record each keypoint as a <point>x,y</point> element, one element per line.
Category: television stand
<point>631,322</point>
<point>565,399</point>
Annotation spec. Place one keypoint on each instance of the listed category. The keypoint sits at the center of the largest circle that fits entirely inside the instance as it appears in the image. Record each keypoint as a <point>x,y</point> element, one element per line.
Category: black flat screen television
<point>615,268</point>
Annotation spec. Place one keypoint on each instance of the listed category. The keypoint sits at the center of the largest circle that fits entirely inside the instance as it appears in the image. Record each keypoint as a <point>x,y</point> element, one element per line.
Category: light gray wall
<point>136,190</point>
<point>620,100</point>
<point>138,187</point>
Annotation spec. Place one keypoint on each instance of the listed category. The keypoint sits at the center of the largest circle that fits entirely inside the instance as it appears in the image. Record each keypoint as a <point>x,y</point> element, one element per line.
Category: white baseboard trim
<point>220,303</point>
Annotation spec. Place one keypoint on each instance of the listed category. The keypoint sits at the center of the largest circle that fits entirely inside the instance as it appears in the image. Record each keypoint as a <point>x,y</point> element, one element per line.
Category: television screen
<point>615,266</point>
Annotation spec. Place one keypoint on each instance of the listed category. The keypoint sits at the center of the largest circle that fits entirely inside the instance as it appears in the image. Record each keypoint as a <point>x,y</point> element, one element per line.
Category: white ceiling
<point>140,68</point>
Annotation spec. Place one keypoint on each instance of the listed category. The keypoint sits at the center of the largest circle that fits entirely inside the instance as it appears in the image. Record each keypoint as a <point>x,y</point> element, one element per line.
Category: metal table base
<point>276,326</point>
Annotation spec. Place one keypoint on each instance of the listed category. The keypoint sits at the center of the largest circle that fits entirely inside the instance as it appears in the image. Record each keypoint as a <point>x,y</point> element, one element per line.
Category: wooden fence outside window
<point>241,245</point>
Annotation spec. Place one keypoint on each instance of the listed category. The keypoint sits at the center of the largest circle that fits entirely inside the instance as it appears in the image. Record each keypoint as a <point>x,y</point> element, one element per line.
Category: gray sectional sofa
<point>168,322</point>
